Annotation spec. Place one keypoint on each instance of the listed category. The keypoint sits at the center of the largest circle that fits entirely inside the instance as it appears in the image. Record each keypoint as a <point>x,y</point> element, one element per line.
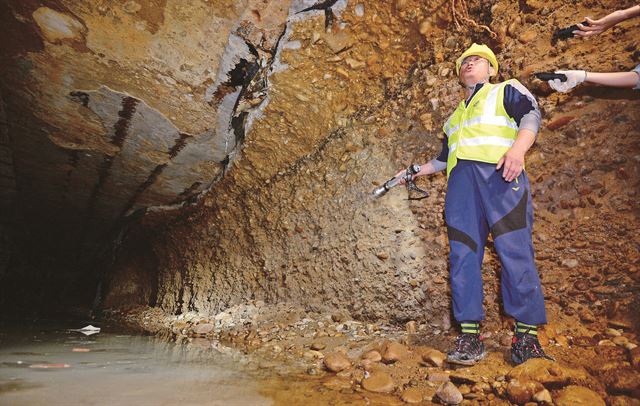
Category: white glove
<point>574,78</point>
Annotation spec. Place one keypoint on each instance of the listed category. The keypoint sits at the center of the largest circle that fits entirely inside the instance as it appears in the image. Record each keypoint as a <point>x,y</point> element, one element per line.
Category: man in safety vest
<point>483,151</point>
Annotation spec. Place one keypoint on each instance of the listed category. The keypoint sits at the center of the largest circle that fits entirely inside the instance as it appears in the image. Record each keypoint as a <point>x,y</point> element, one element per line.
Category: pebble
<point>449,394</point>
<point>570,263</point>
<point>342,73</point>
<point>620,340</point>
<point>522,391</point>
<point>372,355</point>
<point>394,352</point>
<point>528,36</point>
<point>434,357</point>
<point>411,327</point>
<point>313,354</point>
<point>204,328</point>
<point>612,332</point>
<point>336,362</point>
<point>338,41</point>
<point>379,382</point>
<point>559,122</point>
<point>438,377</point>
<point>587,316</point>
<point>354,63</point>
<point>382,255</point>
<point>544,397</point>
<point>578,395</point>
<point>425,27</point>
<point>619,324</point>
<point>318,346</point>
<point>412,395</point>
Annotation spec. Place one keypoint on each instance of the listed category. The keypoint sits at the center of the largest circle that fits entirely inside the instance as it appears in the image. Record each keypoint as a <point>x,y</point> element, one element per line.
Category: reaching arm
<point>596,27</point>
<point>429,168</point>
<point>615,79</point>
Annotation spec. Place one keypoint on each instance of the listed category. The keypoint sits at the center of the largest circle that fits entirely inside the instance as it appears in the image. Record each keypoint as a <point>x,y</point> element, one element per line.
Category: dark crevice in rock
<point>153,176</point>
<point>80,97</point>
<point>121,129</point>
<point>242,73</point>
<point>179,145</point>
<point>188,192</point>
<point>180,300</point>
<point>143,186</point>
<point>238,124</point>
<point>122,126</point>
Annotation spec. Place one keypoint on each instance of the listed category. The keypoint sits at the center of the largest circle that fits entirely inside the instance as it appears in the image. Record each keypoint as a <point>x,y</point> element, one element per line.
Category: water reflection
<point>55,366</point>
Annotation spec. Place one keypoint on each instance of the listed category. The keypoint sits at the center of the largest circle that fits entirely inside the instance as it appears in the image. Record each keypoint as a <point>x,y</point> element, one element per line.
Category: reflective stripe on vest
<point>483,131</point>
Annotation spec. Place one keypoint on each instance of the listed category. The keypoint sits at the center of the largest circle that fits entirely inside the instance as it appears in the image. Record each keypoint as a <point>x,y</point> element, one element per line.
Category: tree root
<point>460,14</point>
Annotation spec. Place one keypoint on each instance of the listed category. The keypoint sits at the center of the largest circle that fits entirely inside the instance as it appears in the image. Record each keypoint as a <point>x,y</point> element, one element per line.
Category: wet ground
<point>48,364</point>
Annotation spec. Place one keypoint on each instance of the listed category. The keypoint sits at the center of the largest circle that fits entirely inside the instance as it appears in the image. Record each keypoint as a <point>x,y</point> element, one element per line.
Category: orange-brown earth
<point>284,254</point>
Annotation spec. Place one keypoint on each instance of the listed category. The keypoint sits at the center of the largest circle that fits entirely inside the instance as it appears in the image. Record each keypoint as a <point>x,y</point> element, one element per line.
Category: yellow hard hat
<point>479,50</point>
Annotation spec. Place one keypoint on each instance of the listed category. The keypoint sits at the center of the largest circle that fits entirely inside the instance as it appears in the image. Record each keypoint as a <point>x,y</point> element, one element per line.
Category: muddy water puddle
<point>54,366</point>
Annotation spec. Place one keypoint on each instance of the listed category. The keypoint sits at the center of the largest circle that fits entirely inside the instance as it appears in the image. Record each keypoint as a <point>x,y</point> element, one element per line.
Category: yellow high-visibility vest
<point>483,131</point>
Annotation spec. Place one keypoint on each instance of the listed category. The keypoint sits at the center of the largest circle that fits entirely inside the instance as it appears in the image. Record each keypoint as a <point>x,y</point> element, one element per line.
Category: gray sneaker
<point>469,350</point>
<point>526,346</point>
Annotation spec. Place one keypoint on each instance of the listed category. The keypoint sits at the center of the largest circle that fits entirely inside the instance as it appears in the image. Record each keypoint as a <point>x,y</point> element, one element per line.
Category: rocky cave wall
<point>256,131</point>
<point>306,230</point>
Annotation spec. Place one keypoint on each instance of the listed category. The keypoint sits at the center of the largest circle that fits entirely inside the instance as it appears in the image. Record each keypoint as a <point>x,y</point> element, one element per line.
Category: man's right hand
<point>403,179</point>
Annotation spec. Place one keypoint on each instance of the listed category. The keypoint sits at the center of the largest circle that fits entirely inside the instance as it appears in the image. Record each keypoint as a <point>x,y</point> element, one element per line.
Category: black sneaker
<point>469,350</point>
<point>526,346</point>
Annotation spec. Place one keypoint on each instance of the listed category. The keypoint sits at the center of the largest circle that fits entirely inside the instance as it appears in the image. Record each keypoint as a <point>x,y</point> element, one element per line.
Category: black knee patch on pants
<point>514,220</point>
<point>460,236</point>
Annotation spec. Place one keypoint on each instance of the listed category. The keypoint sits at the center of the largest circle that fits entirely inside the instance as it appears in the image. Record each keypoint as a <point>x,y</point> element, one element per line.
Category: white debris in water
<point>88,330</point>
<point>360,10</point>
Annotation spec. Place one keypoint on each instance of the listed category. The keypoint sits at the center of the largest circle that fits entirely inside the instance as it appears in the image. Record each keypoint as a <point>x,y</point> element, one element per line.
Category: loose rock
<point>449,394</point>
<point>336,362</point>
<point>412,395</point>
<point>522,391</point>
<point>578,396</point>
<point>434,357</point>
<point>318,346</point>
<point>393,352</point>
<point>379,382</point>
<point>543,397</point>
<point>372,355</point>
<point>204,328</point>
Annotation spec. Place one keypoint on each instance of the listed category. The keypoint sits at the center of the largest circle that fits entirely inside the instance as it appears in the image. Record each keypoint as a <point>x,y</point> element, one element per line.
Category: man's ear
<point>492,72</point>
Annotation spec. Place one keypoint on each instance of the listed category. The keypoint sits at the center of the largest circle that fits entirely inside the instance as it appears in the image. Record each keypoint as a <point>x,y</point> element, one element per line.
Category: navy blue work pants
<point>480,201</point>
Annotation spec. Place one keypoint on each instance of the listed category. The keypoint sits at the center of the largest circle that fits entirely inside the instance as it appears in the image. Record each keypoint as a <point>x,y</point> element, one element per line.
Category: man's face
<point>474,69</point>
